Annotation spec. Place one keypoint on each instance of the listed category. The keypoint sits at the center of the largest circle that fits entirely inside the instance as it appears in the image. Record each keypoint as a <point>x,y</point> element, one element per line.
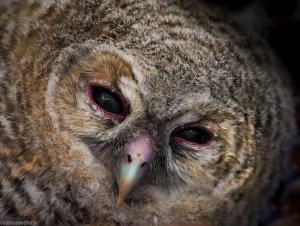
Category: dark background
<point>281,26</point>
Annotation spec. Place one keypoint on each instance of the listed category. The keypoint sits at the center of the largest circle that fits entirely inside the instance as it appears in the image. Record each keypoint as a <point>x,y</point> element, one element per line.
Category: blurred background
<point>279,21</point>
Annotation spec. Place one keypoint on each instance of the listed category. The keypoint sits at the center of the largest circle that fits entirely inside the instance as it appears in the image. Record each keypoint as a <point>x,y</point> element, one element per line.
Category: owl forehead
<point>171,76</point>
<point>166,89</point>
<point>178,75</point>
<point>173,88</point>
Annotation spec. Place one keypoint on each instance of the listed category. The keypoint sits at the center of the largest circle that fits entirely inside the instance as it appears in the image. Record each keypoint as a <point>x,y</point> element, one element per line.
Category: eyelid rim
<point>115,91</point>
<point>189,143</point>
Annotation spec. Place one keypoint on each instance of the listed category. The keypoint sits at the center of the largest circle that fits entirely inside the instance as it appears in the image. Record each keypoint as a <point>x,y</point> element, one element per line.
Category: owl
<point>138,113</point>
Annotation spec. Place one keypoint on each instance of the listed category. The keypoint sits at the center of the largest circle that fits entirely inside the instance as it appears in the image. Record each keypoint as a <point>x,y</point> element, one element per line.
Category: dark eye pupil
<point>108,100</point>
<point>195,135</point>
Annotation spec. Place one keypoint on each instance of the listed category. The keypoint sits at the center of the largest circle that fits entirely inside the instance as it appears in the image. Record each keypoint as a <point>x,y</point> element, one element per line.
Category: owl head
<point>169,138</point>
<point>141,113</point>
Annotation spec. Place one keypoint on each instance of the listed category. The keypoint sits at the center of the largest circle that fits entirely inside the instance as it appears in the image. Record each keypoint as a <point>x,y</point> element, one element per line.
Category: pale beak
<point>138,154</point>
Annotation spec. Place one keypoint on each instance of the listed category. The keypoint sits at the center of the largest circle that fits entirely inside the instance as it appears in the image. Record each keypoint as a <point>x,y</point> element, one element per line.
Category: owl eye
<point>193,135</point>
<point>108,101</point>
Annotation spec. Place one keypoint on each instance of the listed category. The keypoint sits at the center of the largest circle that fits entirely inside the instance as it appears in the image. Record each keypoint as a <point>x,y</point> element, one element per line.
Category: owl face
<point>166,149</point>
<point>137,113</point>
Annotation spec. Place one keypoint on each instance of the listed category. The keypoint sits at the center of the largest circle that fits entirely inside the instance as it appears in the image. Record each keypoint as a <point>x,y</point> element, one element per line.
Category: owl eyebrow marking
<point>113,66</point>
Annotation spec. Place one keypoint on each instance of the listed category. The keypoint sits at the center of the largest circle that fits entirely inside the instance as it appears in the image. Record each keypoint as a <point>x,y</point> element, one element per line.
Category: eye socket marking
<point>108,101</point>
<point>116,106</point>
<point>192,134</point>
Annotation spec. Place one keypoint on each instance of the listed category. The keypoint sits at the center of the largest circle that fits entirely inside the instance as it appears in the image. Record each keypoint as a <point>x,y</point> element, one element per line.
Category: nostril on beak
<point>138,154</point>
<point>129,158</point>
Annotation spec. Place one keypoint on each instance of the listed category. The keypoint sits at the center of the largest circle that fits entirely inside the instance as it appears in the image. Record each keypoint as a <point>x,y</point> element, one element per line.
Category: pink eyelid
<point>110,114</point>
<point>192,125</point>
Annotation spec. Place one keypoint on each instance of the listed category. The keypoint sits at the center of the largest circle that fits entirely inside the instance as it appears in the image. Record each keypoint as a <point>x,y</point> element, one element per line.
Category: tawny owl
<point>137,113</point>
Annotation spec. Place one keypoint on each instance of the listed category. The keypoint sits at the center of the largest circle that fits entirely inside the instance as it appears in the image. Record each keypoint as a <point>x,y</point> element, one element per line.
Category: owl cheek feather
<point>138,153</point>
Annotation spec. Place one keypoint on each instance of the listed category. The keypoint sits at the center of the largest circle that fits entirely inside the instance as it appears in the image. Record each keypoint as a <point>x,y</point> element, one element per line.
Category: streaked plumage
<point>174,63</point>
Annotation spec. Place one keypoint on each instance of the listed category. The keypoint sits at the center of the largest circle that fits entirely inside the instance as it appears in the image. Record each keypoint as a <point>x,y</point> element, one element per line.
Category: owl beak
<point>138,154</point>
